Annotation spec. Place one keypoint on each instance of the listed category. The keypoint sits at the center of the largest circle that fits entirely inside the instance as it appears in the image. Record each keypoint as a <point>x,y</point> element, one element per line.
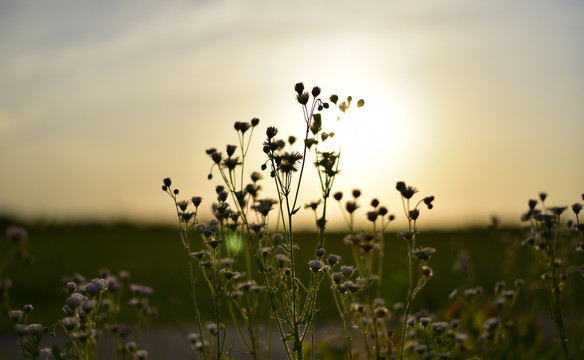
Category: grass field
<point>154,257</point>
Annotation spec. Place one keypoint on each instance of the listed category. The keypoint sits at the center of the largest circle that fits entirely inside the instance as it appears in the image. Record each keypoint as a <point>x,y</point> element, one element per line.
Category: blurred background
<point>478,103</point>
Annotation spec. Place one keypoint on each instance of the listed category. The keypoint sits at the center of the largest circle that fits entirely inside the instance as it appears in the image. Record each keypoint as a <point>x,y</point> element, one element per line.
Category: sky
<point>478,103</point>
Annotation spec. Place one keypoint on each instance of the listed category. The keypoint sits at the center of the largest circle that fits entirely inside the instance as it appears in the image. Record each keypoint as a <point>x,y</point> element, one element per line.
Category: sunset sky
<point>479,103</point>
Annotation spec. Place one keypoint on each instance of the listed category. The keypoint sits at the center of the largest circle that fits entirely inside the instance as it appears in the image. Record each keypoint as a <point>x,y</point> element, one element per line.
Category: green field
<point>154,257</point>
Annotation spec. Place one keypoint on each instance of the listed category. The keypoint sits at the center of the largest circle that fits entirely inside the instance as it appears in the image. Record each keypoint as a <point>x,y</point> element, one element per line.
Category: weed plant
<point>247,255</point>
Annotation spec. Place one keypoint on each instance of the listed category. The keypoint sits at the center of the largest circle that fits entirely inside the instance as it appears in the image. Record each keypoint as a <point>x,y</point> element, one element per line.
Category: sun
<point>372,136</point>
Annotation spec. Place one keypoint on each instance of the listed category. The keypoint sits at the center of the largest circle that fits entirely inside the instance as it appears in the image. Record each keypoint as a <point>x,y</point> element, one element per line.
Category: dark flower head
<point>558,210</point>
<point>255,122</point>
<point>414,214</point>
<point>532,203</point>
<point>351,206</point>
<point>315,265</point>
<point>216,157</point>
<point>315,91</point>
<point>223,195</point>
<point>303,98</point>
<point>347,270</point>
<point>576,208</point>
<point>337,277</point>
<point>264,206</point>
<point>333,259</point>
<point>288,162</point>
<point>372,216</point>
<point>231,149</point>
<point>231,162</point>
<point>400,186</point>
<point>182,204</point>
<point>167,182</point>
<point>271,132</point>
<point>423,253</point>
<point>210,151</point>
<point>313,205</point>
<point>375,203</point>
<point>338,196</point>
<point>542,196</point>
<point>299,88</point>
<point>309,142</point>
<point>196,200</point>
<point>382,210</point>
<point>356,193</point>
<point>291,139</point>
<point>255,176</point>
<point>406,191</point>
<point>334,99</point>
<point>319,252</point>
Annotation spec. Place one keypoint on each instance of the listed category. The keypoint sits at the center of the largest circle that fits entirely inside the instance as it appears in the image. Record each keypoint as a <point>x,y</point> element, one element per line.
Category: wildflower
<point>338,196</point>
<point>375,203</point>
<point>182,204</point>
<point>315,91</point>
<point>282,260</point>
<point>167,182</point>
<point>372,216</point>
<point>333,259</point>
<point>423,254</point>
<point>532,203</point>
<point>313,205</point>
<point>299,88</point>
<point>425,321</point>
<point>141,289</point>
<point>406,191</point>
<point>28,308</point>
<point>309,142</point>
<point>141,354</point>
<point>576,208</point>
<point>414,214</point>
<point>15,315</point>
<point>216,157</point>
<point>408,235</point>
<point>291,139</point>
<point>288,161</point>
<point>96,286</point>
<point>356,193</point>
<point>315,265</point>
<point>16,233</point>
<point>231,150</point>
<point>231,162</point>
<point>271,132</point>
<point>337,277</point>
<point>347,270</point>
<point>255,122</point>
<point>542,196</point>
<point>319,252</point>
<point>558,210</point>
<point>303,98</point>
<point>351,206</point>
<point>196,200</point>
<point>35,329</point>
